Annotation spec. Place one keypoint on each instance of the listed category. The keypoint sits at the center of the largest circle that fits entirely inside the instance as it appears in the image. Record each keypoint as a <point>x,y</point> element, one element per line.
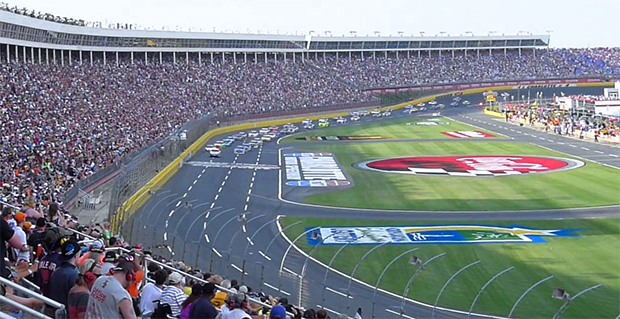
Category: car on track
<point>375,112</point>
<point>253,134</point>
<point>386,113</point>
<point>243,134</point>
<point>432,103</point>
<point>454,104</point>
<point>421,104</point>
<point>228,142</point>
<point>341,120</point>
<point>266,138</point>
<point>215,152</point>
<point>440,106</point>
<point>256,143</point>
<point>248,146</point>
<point>364,113</point>
<point>210,147</point>
<point>466,103</point>
<point>355,118</point>
<point>323,124</point>
<point>323,119</point>
<point>219,144</point>
<point>273,128</point>
<point>355,113</point>
<point>422,109</point>
<point>309,126</point>
<point>239,150</point>
<point>306,121</point>
<point>263,130</point>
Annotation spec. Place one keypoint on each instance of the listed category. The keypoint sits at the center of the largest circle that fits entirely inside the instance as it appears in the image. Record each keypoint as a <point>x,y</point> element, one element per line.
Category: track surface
<point>210,233</point>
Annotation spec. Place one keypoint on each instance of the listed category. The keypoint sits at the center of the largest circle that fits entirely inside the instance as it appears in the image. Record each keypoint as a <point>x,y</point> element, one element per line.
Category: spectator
<point>186,305</point>
<point>8,237</point>
<point>80,293</point>
<point>220,297</point>
<point>29,209</point>
<point>278,312</point>
<point>64,277</point>
<point>95,252</point>
<point>202,308</point>
<point>53,241</point>
<point>109,297</point>
<point>238,306</point>
<point>151,294</point>
<point>321,314</point>
<point>173,294</point>
<point>23,251</point>
<point>37,239</point>
<point>55,217</point>
<point>109,262</point>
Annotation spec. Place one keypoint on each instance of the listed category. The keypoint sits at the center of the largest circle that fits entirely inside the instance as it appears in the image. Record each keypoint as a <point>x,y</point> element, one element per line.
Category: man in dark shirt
<point>63,278</point>
<point>38,238</point>
<point>202,308</point>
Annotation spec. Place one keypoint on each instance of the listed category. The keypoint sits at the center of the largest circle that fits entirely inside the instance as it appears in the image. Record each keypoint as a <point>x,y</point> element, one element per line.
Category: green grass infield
<point>590,185</point>
<point>576,262</point>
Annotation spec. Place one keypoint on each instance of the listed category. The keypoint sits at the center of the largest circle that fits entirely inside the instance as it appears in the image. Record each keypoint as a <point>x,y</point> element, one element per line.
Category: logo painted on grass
<point>468,134</point>
<point>340,138</point>
<point>471,166</point>
<point>436,234</point>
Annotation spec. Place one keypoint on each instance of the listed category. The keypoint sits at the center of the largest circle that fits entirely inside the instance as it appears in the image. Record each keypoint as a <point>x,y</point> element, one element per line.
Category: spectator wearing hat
<point>151,294</point>
<point>109,298</point>
<point>64,277</point>
<point>80,293</point>
<point>238,306</point>
<point>95,252</point>
<point>37,239</point>
<point>134,288</point>
<point>109,262</point>
<point>54,237</point>
<point>23,251</point>
<point>186,305</point>
<point>220,297</point>
<point>173,294</point>
<point>202,308</point>
<point>277,312</point>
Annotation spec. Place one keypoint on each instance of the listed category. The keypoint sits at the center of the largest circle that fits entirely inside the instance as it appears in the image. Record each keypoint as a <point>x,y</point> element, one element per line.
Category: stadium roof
<point>16,29</point>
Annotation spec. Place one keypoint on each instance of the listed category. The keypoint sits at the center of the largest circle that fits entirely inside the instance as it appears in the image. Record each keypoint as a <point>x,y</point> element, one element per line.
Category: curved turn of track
<point>197,214</point>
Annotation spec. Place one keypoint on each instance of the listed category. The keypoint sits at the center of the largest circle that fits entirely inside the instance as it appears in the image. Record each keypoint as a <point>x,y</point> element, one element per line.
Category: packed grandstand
<point>62,122</point>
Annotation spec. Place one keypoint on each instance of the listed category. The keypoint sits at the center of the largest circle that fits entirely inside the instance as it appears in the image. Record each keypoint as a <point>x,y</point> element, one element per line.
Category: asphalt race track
<point>210,231</point>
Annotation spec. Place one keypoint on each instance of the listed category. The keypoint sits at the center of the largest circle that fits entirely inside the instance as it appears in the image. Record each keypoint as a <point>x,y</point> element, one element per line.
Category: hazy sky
<point>574,23</point>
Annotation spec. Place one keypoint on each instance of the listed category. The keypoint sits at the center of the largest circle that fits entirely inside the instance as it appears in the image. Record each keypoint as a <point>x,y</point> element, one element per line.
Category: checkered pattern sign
<point>472,173</point>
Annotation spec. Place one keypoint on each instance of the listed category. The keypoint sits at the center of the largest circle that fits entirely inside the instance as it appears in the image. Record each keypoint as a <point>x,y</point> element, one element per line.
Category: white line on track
<point>398,313</point>
<point>179,203</point>
<point>245,208</point>
<point>613,155</point>
<point>190,188</point>
<point>249,191</point>
<point>247,199</point>
<point>542,138</point>
<point>337,292</point>
<point>252,184</point>
<point>265,256</point>
<point>184,195</point>
<point>171,213</point>
<point>212,205</point>
<point>276,289</point>
<point>216,197</point>
<point>238,268</point>
<point>571,145</point>
<point>585,148</point>
<point>165,236</point>
<point>250,241</point>
<point>207,238</point>
<point>216,252</point>
<point>219,190</point>
<point>561,143</point>
<point>225,178</point>
<point>195,181</point>
<point>599,152</point>
<point>291,272</point>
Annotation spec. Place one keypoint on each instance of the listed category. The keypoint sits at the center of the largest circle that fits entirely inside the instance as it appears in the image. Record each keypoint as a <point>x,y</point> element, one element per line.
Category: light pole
<point>204,229</point>
<point>330,266</point>
<point>274,239</point>
<point>215,239</point>
<point>525,294</point>
<point>355,269</point>
<point>374,294</point>
<point>192,225</point>
<point>413,277</point>
<point>233,240</point>
<point>286,253</point>
<point>570,300</point>
<point>447,283</point>
<point>245,253</point>
<point>471,308</point>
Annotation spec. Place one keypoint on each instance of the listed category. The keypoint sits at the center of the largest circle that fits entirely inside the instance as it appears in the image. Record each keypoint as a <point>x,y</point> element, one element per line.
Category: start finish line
<point>233,165</point>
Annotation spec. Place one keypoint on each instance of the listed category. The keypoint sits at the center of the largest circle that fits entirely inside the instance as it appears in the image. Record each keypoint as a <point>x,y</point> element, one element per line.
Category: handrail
<point>16,304</point>
<point>31,284</point>
<point>33,294</point>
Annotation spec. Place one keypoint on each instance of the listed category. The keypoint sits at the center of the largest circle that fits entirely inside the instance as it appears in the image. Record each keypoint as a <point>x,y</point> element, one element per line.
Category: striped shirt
<point>174,297</point>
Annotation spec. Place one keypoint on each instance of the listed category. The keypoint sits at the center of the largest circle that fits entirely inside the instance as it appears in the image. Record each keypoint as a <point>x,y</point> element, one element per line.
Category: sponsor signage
<point>515,84</point>
<point>435,234</point>
<point>470,165</point>
<point>522,87</point>
<point>431,122</point>
<point>468,134</point>
<point>340,138</point>
<point>313,170</point>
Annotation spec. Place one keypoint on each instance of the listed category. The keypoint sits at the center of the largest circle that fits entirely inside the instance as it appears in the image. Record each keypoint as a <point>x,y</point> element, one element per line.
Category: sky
<point>572,23</point>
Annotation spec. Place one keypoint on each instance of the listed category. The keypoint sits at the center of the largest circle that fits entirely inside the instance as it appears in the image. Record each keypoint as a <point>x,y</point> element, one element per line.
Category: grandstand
<point>82,105</point>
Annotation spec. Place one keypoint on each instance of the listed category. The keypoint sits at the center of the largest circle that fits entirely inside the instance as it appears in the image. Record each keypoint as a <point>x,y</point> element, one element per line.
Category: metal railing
<point>47,301</point>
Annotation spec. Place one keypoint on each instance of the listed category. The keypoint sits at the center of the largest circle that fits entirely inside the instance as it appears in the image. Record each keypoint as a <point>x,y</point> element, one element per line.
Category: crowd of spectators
<point>93,278</point>
<point>43,16</point>
<point>392,71</point>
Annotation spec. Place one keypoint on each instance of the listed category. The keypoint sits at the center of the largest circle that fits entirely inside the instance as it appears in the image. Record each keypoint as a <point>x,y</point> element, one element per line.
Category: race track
<point>209,230</point>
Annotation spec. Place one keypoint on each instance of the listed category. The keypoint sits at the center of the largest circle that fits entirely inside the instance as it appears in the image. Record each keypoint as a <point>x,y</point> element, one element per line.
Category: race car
<point>324,124</point>
<point>273,128</point>
<point>228,142</point>
<point>239,150</point>
<point>432,103</point>
<point>215,152</point>
<point>341,120</point>
<point>219,144</point>
<point>364,113</point>
<point>421,104</point>
<point>454,104</point>
<point>263,131</point>
<point>306,121</point>
<point>309,126</point>
<point>423,109</point>
<point>375,112</point>
<point>441,106</point>
<point>256,143</point>
<point>466,103</point>
<point>355,118</point>
<point>210,147</point>
<point>386,113</point>
<point>253,134</point>
<point>266,138</point>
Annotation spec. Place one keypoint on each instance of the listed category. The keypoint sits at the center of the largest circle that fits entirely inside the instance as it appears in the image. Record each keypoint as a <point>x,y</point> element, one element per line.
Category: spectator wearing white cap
<point>173,294</point>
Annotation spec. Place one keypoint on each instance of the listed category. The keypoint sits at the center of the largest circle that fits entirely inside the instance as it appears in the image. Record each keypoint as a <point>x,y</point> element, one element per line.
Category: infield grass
<point>576,263</point>
<point>402,128</point>
<point>590,185</point>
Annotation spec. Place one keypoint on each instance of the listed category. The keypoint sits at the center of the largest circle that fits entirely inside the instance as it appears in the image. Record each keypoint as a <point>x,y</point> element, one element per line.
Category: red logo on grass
<point>467,134</point>
<point>473,166</point>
